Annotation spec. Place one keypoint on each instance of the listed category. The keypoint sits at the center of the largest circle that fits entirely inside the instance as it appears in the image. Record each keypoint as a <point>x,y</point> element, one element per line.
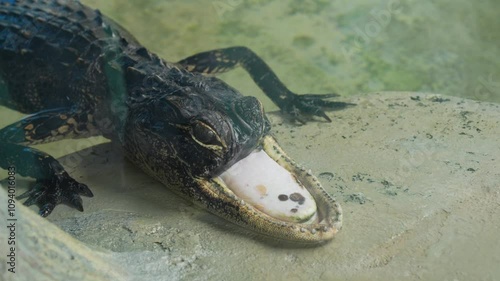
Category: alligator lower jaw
<point>312,226</point>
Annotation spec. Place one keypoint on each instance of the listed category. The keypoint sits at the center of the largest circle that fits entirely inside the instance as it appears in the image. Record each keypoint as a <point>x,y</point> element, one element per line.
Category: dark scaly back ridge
<point>71,44</point>
<point>49,54</point>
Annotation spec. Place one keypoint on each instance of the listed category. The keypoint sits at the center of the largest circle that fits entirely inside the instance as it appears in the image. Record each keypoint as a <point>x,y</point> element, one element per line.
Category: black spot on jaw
<point>282,197</point>
<point>294,210</point>
<point>297,197</point>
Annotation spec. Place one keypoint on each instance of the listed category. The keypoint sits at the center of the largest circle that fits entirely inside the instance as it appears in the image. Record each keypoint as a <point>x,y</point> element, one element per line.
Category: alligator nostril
<point>250,113</point>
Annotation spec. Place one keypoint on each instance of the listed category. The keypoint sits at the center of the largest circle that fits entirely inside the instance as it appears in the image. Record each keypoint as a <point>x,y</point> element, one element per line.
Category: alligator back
<point>52,54</point>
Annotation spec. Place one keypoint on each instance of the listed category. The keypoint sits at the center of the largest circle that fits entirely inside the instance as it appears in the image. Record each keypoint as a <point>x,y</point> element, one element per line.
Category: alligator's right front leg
<point>53,184</point>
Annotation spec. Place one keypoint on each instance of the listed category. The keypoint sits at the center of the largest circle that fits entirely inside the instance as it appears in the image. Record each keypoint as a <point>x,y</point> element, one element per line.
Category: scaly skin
<point>79,74</point>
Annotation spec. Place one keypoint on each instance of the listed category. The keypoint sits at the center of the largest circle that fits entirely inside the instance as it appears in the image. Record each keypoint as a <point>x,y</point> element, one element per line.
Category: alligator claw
<point>46,209</point>
<point>59,188</point>
<point>308,105</point>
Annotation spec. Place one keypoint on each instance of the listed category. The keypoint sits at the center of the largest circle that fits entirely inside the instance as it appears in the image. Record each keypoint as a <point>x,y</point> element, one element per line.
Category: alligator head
<point>211,144</point>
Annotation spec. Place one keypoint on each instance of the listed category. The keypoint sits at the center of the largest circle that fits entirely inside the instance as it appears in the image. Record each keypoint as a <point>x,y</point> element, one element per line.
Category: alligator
<point>78,74</point>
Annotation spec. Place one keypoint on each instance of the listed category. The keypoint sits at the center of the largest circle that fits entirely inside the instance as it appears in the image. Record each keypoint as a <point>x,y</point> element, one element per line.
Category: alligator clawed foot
<point>301,106</point>
<point>47,193</point>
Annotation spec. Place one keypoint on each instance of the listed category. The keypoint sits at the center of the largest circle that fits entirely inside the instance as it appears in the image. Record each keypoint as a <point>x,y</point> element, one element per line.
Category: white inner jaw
<point>270,188</point>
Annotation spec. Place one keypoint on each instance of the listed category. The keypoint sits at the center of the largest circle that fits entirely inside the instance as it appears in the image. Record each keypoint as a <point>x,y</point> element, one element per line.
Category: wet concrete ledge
<point>417,175</point>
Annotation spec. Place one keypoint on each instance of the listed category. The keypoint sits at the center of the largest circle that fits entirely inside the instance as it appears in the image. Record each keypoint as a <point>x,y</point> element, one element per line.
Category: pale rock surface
<point>418,177</point>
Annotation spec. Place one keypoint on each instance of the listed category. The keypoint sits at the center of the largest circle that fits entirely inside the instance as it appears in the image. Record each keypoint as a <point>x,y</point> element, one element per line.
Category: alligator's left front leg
<point>222,60</point>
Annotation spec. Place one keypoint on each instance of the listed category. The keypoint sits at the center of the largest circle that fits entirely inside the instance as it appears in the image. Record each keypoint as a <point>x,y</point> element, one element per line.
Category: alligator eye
<point>204,134</point>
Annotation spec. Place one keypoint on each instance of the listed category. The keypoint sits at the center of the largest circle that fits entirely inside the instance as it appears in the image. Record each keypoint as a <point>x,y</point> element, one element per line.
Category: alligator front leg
<point>297,106</point>
<point>53,184</point>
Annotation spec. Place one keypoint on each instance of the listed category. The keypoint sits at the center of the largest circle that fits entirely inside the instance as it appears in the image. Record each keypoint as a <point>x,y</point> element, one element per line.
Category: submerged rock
<point>39,250</point>
<point>429,165</point>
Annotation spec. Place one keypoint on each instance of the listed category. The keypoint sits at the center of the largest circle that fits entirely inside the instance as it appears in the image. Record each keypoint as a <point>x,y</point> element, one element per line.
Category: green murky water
<point>347,47</point>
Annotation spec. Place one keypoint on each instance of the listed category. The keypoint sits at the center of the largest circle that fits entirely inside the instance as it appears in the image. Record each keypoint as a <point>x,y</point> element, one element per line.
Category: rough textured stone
<point>426,165</point>
<point>45,252</point>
